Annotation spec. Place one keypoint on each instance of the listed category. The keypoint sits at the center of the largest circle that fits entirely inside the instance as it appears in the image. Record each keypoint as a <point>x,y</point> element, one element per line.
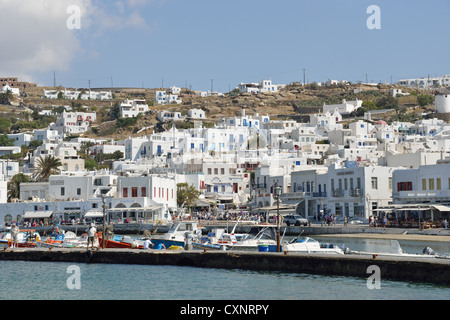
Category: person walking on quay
<point>148,243</point>
<point>384,222</point>
<point>14,235</point>
<point>91,235</point>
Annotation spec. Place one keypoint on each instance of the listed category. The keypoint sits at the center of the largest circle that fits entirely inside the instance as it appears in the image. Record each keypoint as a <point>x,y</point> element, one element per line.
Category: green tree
<point>187,195</point>
<point>425,100</point>
<point>90,164</point>
<point>14,185</point>
<point>45,167</point>
<point>5,124</point>
<point>6,97</point>
<point>387,102</point>
<point>5,141</point>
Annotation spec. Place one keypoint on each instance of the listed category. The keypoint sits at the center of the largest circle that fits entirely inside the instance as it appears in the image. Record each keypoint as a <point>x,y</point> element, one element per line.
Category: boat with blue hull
<point>178,234</point>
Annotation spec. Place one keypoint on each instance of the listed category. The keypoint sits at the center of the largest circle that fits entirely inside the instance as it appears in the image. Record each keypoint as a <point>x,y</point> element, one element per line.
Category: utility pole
<point>304,76</point>
<point>54,78</point>
<point>367,81</point>
<point>212,86</point>
<point>112,83</point>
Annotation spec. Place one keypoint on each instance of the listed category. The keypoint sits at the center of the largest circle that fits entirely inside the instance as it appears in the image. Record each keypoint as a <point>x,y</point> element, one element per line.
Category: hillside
<point>294,102</point>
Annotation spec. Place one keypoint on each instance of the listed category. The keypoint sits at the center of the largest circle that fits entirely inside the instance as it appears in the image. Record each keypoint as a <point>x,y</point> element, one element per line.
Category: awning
<point>37,214</point>
<point>442,208</point>
<point>94,214</point>
<point>133,209</point>
<point>403,208</point>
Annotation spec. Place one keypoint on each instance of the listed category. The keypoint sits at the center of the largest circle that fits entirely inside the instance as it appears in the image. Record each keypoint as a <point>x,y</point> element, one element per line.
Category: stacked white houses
<point>368,168</point>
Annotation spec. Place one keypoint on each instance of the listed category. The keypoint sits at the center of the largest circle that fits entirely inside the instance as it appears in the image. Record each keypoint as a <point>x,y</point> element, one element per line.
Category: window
<point>143,191</point>
<point>216,171</point>
<point>438,183</point>
<point>78,191</point>
<point>134,192</point>
<point>431,183</point>
<point>424,184</point>
<point>63,191</point>
<point>390,183</point>
<point>209,171</point>
<point>125,192</point>
<point>374,181</point>
<point>222,171</point>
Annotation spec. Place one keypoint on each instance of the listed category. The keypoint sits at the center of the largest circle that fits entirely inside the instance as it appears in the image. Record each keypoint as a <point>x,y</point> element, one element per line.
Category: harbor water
<point>23,280</point>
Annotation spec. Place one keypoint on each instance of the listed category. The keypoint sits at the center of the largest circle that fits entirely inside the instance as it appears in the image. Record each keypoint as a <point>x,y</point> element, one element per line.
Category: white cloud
<point>35,38</point>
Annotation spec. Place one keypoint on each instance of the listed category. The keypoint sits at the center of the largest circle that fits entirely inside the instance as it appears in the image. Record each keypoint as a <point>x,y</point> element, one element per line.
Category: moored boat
<point>179,233</point>
<point>125,242</point>
<point>26,238</point>
<point>310,245</point>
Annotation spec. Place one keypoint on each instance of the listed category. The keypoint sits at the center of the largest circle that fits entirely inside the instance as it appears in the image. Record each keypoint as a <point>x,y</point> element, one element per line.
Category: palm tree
<point>45,167</point>
<point>14,185</point>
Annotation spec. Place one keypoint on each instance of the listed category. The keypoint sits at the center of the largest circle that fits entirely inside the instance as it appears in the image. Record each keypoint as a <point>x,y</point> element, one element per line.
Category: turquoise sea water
<point>22,280</point>
<point>48,281</point>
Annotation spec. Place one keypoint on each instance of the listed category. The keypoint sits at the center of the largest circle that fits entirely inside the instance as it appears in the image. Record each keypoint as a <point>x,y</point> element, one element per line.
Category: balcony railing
<point>337,193</point>
<point>319,194</point>
<point>357,192</point>
<point>261,186</point>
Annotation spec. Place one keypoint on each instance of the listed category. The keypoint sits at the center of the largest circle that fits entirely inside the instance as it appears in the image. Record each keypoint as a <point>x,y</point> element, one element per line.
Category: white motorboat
<point>179,233</point>
<point>265,237</point>
<point>396,251</point>
<point>310,245</point>
<point>219,238</point>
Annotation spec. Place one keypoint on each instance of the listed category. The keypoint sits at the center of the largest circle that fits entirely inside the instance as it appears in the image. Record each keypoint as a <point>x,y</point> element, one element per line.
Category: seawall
<point>427,270</point>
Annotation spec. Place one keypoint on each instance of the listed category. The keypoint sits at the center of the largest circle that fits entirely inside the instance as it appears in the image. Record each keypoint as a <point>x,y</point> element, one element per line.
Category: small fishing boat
<point>120,242</point>
<point>26,238</point>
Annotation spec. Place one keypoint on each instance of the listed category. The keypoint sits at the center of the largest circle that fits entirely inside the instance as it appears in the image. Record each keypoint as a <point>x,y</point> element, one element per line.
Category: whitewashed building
<point>74,122</point>
<point>131,108</point>
<point>196,114</point>
<point>346,107</point>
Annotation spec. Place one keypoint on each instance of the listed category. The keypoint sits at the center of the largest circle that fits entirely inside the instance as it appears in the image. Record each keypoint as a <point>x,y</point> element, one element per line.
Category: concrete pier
<point>427,270</point>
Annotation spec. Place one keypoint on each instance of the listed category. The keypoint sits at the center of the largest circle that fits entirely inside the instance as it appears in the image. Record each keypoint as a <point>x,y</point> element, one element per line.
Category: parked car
<point>295,219</point>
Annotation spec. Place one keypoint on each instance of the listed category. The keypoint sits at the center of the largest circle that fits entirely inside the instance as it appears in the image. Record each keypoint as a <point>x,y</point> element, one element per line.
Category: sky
<point>154,43</point>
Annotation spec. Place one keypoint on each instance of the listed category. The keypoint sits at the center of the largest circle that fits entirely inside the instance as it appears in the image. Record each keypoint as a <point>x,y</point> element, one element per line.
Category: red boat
<point>24,244</point>
<point>117,244</point>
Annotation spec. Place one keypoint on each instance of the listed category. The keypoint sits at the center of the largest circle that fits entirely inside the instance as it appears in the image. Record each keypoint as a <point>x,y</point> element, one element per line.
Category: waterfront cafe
<point>134,214</point>
<point>39,217</point>
<point>414,215</point>
<point>269,213</point>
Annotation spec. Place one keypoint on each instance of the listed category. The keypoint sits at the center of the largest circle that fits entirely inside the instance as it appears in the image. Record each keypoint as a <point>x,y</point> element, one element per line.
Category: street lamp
<point>104,217</point>
<point>277,193</point>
